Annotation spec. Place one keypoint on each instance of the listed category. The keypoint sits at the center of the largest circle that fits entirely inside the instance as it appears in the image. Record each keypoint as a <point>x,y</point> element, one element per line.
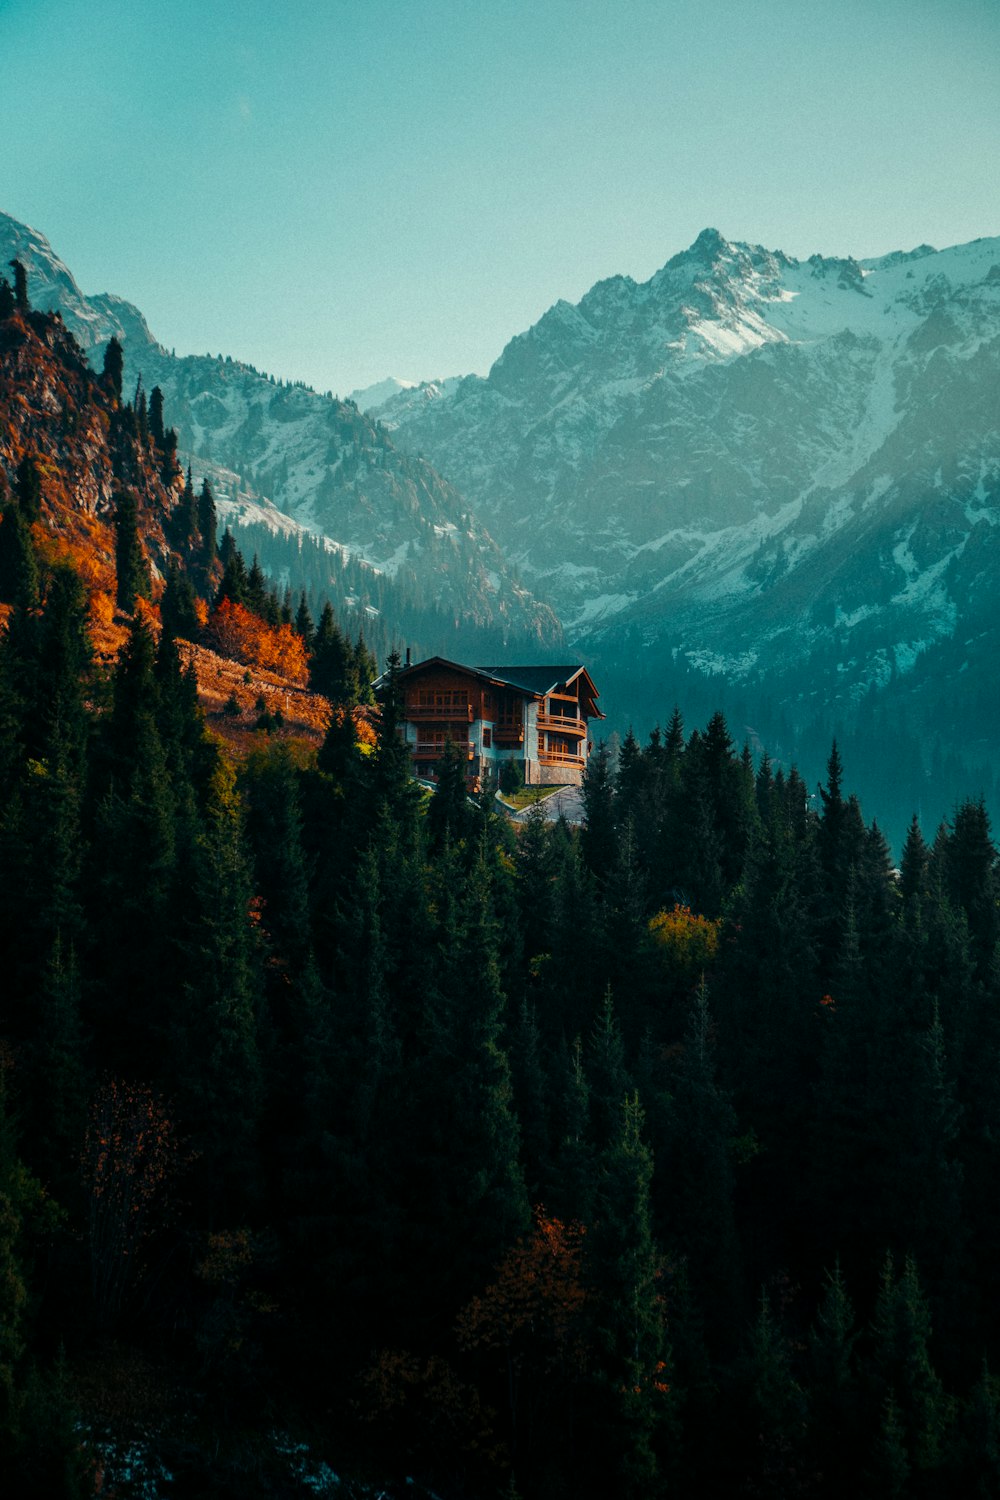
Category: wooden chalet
<point>538,716</point>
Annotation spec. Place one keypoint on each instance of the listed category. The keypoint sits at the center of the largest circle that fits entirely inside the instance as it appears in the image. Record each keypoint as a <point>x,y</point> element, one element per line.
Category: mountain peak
<point>709,247</point>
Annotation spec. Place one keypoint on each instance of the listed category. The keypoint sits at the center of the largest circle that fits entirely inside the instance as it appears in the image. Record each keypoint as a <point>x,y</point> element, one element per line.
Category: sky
<point>339,190</point>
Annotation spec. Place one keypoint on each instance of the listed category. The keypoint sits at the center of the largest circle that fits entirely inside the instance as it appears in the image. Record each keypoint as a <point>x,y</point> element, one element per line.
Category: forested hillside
<point>654,1158</point>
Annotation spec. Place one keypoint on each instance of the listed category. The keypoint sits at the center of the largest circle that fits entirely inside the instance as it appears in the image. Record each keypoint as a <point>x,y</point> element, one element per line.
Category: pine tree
<point>20,286</point>
<point>130,563</point>
<point>18,565</point>
<point>835,1397</point>
<point>177,606</point>
<point>698,1207</point>
<point>28,488</point>
<point>304,626</point>
<point>114,367</point>
<point>632,1412</point>
<point>449,815</point>
<point>599,843</point>
<point>185,517</point>
<point>156,431</point>
<point>903,1369</point>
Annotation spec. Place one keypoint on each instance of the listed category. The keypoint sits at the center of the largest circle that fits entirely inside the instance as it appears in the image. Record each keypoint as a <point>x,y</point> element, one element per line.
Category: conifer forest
<point>651,1157</point>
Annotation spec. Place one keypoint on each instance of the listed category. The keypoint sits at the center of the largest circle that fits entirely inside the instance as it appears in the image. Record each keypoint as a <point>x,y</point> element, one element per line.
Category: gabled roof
<point>530,679</point>
<point>540,680</point>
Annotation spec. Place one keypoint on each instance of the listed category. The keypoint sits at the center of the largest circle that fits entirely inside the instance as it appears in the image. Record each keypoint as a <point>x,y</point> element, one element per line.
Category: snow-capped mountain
<point>325,463</point>
<point>370,397</point>
<point>748,457</point>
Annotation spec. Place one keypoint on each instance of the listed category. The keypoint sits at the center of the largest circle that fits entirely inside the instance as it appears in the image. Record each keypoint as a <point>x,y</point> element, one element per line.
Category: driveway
<point>566,803</point>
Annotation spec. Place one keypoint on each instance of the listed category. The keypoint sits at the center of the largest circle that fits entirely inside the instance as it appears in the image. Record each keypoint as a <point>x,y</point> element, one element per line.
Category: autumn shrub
<point>234,632</point>
<point>686,941</point>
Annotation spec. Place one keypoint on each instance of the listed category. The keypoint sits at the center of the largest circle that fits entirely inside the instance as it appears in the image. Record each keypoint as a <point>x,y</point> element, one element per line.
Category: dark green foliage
<point>28,488</point>
<point>114,366</point>
<point>169,466</point>
<point>156,430</point>
<point>233,584</point>
<point>18,568</point>
<point>450,814</point>
<point>334,668</point>
<point>177,606</point>
<point>375,1029</point>
<point>131,569</point>
<point>20,286</point>
<point>185,518</point>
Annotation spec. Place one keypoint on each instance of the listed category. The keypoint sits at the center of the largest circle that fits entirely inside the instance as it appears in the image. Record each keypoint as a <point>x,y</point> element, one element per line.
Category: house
<point>537,716</point>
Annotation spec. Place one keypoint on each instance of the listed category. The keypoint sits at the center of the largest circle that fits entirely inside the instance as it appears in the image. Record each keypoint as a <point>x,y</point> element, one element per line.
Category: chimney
<point>407,656</point>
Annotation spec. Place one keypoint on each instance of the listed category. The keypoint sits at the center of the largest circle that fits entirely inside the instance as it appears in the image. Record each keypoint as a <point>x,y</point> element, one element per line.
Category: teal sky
<point>337,190</point>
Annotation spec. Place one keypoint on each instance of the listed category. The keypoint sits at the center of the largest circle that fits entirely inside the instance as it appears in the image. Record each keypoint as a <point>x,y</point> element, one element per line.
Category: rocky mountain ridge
<point>747,456</point>
<point>335,471</point>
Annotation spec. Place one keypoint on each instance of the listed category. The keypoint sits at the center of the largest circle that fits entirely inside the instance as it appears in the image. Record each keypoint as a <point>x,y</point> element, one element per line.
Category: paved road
<point>566,803</point>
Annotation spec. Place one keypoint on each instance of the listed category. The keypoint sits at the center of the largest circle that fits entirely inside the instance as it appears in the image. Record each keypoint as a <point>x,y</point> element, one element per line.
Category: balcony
<point>434,749</point>
<point>508,734</point>
<point>457,714</point>
<point>561,725</point>
<point>560,758</point>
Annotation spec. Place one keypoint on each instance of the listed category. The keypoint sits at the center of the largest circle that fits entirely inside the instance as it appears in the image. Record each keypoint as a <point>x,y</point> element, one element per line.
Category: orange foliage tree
<point>687,941</point>
<point>533,1314</point>
<point>234,632</point>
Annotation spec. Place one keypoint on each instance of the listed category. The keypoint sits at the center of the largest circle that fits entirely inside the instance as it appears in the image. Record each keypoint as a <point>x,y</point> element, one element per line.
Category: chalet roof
<point>536,680</point>
<point>540,680</point>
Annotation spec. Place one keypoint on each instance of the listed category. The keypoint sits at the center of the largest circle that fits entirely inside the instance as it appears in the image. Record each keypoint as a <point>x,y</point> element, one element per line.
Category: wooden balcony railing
<point>508,734</point>
<point>457,714</point>
<point>561,725</point>
<point>434,749</point>
<point>560,758</point>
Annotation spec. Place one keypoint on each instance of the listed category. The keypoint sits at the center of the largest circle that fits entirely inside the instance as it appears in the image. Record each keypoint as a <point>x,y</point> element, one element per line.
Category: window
<point>487,738</point>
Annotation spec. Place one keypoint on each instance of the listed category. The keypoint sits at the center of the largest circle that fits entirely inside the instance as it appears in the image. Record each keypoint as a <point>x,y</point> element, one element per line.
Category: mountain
<point>335,471</point>
<point>371,396</point>
<point>781,475</point>
<point>741,436</point>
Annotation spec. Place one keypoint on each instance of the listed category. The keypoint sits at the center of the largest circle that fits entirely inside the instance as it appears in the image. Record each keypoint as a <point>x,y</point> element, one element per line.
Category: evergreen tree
<point>114,367</point>
<point>903,1371</point>
<point>632,1414</point>
<point>304,627</point>
<point>28,489</point>
<point>207,526</point>
<point>20,286</point>
<point>697,1196</point>
<point>177,606</point>
<point>449,814</point>
<point>599,843</point>
<point>156,431</point>
<point>185,517</point>
<point>18,566</point>
<point>169,467</point>
<point>130,563</point>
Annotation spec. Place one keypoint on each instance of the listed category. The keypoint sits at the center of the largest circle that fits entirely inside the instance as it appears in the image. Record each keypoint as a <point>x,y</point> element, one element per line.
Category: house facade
<point>537,716</point>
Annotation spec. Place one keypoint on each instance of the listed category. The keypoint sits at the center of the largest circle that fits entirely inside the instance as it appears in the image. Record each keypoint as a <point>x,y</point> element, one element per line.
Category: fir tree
<point>156,431</point>
<point>131,571</point>
<point>114,367</point>
<point>20,286</point>
<point>28,488</point>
